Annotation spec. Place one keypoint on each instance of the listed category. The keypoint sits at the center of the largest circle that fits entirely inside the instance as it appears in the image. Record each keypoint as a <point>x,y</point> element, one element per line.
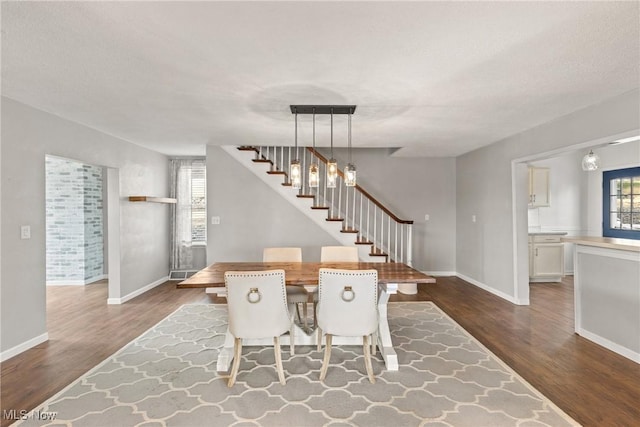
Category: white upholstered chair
<point>296,295</point>
<point>339,254</point>
<point>334,254</point>
<point>347,306</point>
<point>257,305</point>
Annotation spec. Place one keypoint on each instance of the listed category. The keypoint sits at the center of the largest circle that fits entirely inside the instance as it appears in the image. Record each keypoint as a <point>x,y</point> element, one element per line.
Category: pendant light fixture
<point>590,162</point>
<point>332,164</point>
<point>350,169</point>
<point>295,172</point>
<point>314,171</point>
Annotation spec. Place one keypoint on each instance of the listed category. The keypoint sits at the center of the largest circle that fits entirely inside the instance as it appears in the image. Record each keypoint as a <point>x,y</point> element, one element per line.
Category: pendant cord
<point>314,131</point>
<point>296,137</point>
<point>332,133</point>
<point>349,137</point>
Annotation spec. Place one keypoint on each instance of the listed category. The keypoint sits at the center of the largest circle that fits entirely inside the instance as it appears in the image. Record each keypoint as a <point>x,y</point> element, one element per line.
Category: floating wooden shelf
<point>151,199</point>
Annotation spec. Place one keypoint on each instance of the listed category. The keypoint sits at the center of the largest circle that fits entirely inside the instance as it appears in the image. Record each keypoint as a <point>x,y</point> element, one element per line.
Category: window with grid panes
<point>621,203</point>
<point>198,203</point>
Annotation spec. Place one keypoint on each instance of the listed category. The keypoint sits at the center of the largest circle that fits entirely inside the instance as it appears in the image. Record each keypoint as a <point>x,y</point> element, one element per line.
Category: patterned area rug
<point>167,377</point>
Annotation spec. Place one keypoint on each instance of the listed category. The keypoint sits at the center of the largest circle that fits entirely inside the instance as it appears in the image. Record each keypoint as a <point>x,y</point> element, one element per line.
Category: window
<point>189,214</point>
<point>198,203</point>
<point>621,203</point>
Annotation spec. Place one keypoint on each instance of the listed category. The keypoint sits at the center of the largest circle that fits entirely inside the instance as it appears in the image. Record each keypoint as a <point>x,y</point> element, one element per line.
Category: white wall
<point>611,157</point>
<point>567,200</point>
<point>27,136</point>
<point>488,249</point>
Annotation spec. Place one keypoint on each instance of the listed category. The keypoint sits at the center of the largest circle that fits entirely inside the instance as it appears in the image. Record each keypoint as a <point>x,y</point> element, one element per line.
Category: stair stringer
<point>319,217</point>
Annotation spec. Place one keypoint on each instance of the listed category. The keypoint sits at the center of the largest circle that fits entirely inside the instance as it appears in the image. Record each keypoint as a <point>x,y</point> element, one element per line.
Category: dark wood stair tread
<point>349,230</point>
<point>320,207</point>
<point>363,242</point>
<point>306,196</point>
<point>276,172</point>
<point>335,219</point>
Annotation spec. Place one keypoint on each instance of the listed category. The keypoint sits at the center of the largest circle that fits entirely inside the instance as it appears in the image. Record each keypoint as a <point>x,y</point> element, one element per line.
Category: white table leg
<point>384,334</point>
<point>226,353</point>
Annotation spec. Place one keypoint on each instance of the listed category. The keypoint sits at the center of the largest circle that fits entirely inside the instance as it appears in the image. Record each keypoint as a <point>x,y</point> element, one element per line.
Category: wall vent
<point>181,274</point>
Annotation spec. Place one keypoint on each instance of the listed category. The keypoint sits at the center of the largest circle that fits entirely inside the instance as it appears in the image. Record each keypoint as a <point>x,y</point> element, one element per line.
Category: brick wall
<point>74,222</point>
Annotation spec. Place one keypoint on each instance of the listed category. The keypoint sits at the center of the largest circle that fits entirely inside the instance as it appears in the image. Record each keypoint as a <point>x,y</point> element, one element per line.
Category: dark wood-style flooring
<point>593,385</point>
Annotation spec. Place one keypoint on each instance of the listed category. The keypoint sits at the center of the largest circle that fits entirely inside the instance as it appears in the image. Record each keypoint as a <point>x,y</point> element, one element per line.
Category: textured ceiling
<point>431,78</point>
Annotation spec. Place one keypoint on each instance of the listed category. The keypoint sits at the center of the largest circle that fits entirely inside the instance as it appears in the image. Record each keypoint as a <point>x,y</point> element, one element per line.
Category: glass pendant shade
<point>314,175</point>
<point>295,174</point>
<point>350,175</point>
<point>332,173</point>
<point>590,162</point>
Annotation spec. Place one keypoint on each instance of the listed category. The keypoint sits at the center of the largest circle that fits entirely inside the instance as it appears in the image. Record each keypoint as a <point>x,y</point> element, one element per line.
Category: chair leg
<point>276,349</point>
<point>374,343</point>
<point>292,341</point>
<point>327,356</point>
<point>315,318</point>
<point>319,338</point>
<point>298,312</point>
<point>367,359</point>
<point>304,311</point>
<point>237,345</point>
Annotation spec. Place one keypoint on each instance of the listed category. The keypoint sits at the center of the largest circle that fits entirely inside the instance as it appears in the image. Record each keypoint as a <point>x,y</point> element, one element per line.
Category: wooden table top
<point>305,273</point>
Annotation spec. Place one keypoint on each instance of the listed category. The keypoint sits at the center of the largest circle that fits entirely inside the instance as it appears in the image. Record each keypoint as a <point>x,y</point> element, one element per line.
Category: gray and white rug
<point>167,377</point>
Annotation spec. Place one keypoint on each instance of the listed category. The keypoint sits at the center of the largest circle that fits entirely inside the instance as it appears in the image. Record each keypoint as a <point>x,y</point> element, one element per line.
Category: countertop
<point>549,233</point>
<point>605,242</point>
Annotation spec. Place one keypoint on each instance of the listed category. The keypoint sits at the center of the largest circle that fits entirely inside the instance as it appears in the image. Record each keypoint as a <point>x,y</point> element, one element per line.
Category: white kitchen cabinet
<point>546,258</point>
<point>538,187</point>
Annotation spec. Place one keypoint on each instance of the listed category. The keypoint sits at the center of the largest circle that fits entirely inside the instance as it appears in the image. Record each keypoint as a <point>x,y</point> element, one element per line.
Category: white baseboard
<point>122,300</point>
<point>76,282</point>
<point>493,291</point>
<point>8,354</point>
<point>617,348</point>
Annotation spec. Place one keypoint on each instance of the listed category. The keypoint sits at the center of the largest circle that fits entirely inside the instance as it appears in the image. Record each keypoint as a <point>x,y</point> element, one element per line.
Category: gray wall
<point>28,135</point>
<point>252,215</point>
<point>486,249</point>
<point>410,187</point>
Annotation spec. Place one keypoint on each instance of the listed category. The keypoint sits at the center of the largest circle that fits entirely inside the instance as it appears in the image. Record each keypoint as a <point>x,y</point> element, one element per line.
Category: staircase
<point>350,214</point>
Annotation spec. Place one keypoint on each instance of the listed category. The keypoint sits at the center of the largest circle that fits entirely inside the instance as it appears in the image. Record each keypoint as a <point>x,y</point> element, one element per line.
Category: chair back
<point>282,255</point>
<point>339,254</point>
<point>257,303</point>
<point>347,302</point>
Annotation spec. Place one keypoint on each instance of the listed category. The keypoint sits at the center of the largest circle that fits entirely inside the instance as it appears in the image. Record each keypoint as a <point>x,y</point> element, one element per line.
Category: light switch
<point>426,217</point>
<point>215,220</point>
<point>25,232</point>
<point>473,218</point>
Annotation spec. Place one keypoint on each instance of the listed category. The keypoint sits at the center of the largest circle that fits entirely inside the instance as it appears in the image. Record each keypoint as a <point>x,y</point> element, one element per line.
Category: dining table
<point>390,275</point>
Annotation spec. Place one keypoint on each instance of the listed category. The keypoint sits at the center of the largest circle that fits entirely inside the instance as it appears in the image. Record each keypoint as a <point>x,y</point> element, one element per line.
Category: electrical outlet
<point>426,217</point>
<point>473,218</point>
<point>215,220</point>
<point>25,232</point>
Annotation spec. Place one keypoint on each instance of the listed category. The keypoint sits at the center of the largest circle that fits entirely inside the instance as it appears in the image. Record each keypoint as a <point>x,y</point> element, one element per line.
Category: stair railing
<point>370,221</point>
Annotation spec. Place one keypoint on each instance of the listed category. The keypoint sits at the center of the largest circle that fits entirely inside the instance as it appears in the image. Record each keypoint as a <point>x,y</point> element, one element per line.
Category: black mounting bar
<point>323,109</point>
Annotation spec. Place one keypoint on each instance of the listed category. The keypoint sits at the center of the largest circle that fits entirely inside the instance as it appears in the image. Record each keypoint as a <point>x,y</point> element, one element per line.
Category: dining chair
<point>334,254</point>
<point>258,308</point>
<point>339,254</point>
<point>347,307</point>
<point>296,295</point>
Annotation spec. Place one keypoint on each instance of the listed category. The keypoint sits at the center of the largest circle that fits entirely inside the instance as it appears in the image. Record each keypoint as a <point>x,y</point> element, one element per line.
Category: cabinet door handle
<point>536,251</point>
<point>534,197</point>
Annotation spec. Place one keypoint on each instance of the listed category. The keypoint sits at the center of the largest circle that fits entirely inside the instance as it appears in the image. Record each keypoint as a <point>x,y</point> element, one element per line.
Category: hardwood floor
<point>593,385</point>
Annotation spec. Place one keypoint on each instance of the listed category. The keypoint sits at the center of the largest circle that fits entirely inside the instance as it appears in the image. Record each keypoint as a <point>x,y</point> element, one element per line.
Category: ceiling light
<point>295,173</point>
<point>332,164</point>
<point>314,171</point>
<point>590,162</point>
<point>350,169</point>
